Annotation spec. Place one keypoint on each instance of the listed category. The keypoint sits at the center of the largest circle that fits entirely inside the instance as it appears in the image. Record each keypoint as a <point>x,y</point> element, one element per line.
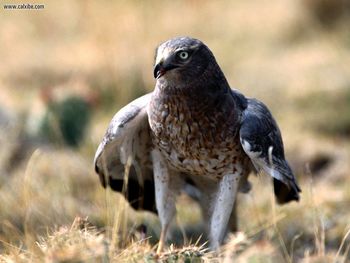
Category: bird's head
<point>182,59</point>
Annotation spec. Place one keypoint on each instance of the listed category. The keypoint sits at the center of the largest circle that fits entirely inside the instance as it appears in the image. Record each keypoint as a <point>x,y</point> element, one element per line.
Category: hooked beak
<point>158,70</point>
<point>161,68</point>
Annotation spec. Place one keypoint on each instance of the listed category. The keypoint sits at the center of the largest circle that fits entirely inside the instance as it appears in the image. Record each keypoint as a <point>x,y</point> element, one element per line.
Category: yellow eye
<point>183,55</point>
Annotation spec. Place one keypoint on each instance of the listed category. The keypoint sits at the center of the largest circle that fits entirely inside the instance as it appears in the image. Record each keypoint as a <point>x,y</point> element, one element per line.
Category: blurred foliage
<point>66,121</point>
<point>328,13</point>
<point>328,112</point>
<point>115,92</point>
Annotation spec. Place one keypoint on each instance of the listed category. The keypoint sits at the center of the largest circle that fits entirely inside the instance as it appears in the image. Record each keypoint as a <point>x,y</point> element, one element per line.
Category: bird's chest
<point>195,142</point>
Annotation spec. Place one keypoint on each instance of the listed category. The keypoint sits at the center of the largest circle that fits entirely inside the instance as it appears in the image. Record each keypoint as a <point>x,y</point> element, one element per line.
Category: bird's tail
<point>288,189</point>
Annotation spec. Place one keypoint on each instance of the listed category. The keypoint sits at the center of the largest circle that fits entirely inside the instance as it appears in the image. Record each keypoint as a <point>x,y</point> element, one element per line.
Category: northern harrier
<point>192,130</point>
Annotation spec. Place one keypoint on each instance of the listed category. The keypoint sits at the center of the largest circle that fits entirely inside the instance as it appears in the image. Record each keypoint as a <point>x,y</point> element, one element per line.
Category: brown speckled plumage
<point>196,134</point>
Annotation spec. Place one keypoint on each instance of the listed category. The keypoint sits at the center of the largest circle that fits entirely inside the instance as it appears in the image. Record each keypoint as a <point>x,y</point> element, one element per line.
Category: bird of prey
<point>192,131</point>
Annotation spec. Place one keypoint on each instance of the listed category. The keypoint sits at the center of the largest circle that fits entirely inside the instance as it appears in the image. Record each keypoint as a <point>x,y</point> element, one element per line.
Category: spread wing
<point>127,140</point>
<point>262,142</point>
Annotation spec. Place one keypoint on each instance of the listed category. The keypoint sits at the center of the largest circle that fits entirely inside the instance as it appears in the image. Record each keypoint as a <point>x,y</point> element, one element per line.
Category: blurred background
<point>66,69</point>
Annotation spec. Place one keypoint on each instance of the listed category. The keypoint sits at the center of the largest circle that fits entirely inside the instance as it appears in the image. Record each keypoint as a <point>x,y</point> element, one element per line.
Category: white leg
<point>223,204</point>
<point>167,185</point>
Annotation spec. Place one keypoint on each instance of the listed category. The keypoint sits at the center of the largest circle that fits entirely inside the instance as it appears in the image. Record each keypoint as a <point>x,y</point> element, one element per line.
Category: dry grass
<point>52,208</point>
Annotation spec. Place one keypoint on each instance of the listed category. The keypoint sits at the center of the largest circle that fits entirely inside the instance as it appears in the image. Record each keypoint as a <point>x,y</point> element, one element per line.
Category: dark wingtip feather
<point>285,194</point>
<point>139,196</point>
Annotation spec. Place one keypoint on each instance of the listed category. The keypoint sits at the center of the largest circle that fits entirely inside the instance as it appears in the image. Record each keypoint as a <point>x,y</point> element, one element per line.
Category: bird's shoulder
<point>240,100</point>
<point>259,128</point>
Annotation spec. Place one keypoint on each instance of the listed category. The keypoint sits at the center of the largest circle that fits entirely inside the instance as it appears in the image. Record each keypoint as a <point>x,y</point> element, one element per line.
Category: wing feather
<point>262,142</point>
<point>128,136</point>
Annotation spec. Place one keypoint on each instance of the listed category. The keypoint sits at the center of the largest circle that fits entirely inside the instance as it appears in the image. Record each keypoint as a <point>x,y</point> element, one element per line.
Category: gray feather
<point>261,140</point>
<point>124,133</point>
<point>127,137</point>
